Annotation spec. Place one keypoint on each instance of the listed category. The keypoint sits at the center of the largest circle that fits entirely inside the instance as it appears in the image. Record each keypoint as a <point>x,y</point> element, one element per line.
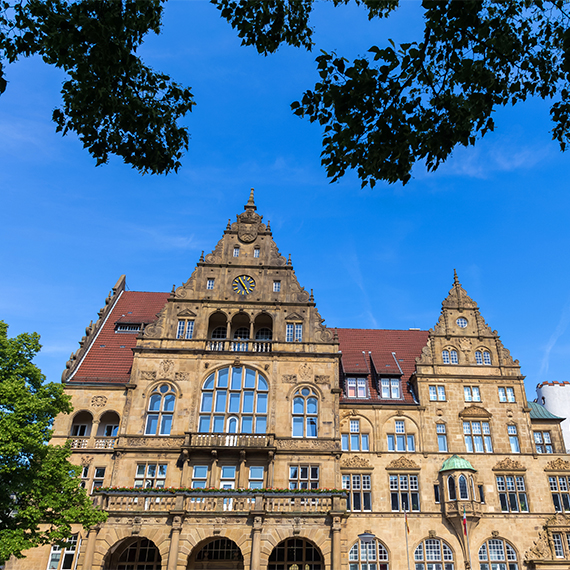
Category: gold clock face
<point>244,284</point>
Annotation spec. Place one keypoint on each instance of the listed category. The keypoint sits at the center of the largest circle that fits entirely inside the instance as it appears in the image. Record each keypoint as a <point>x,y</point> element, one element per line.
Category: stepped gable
<point>377,360</point>
<point>110,356</point>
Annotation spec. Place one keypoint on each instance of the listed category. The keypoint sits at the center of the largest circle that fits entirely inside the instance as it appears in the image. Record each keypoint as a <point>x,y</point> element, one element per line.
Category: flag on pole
<point>464,522</point>
<point>406,521</point>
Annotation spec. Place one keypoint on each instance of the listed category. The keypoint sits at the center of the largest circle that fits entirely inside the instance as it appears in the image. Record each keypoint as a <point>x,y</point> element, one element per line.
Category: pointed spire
<point>229,226</point>
<point>202,257</point>
<point>455,279</point>
<point>289,260</point>
<point>312,298</point>
<point>458,297</point>
<point>251,203</point>
<point>268,226</point>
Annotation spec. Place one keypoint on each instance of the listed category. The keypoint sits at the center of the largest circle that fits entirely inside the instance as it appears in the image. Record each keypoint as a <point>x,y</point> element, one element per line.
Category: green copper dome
<point>456,462</point>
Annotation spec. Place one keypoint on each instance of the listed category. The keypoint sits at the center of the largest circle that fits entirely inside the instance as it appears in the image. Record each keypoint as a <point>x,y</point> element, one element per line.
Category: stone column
<point>93,434</point>
<point>90,548</point>
<point>255,542</point>
<point>174,542</point>
<point>336,544</point>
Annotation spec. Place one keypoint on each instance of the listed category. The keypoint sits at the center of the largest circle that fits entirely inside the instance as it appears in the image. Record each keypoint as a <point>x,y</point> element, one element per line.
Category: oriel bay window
<point>160,410</point>
<point>359,492</point>
<point>404,493</point>
<point>234,400</point>
<point>512,493</point>
<point>305,413</point>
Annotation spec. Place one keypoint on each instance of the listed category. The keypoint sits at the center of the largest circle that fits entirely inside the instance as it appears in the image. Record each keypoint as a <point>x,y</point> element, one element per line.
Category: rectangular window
<point>303,477</point>
<point>385,383</point>
<point>180,330</point>
<point>298,332</point>
<point>276,286</point>
<point>228,477</point>
<point>441,393</point>
<point>150,475</point>
<point>185,329</point>
<point>359,492</point>
<point>199,476</point>
<point>514,439</point>
<point>394,388</point>
<point>289,332</point>
<point>68,555</point>
<point>560,497</point>
<point>404,493</point>
<point>441,437</point>
<point>351,387</point>
<point>189,329</point>
<point>98,478</point>
<point>558,548</point>
<point>361,386</point>
<point>510,395</point>
<point>236,251</point>
<point>472,393</point>
<point>482,494</point>
<point>256,252</point>
<point>256,477</point>
<point>436,493</point>
<point>355,440</point>
<point>477,436</point>
<point>512,494</point>
<point>433,393</point>
<point>543,442</point>
<point>400,440</point>
<point>210,284</point>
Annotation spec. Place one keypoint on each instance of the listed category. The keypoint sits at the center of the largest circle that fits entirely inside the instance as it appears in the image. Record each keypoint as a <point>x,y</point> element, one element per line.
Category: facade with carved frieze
<point>223,425</point>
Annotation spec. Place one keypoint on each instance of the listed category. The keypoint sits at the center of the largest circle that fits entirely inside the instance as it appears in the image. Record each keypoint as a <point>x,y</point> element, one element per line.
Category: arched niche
<point>81,425</point>
<point>109,424</point>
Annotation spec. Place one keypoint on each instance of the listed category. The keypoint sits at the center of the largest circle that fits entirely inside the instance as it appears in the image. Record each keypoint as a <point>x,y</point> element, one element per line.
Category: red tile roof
<point>110,356</point>
<point>368,352</point>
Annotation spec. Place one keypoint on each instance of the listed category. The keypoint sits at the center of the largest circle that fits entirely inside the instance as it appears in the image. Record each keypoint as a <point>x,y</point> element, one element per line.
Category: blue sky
<point>384,258</point>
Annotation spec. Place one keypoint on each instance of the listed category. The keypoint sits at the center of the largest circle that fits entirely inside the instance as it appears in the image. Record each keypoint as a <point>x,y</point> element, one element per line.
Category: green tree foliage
<point>40,493</point>
<point>114,103</point>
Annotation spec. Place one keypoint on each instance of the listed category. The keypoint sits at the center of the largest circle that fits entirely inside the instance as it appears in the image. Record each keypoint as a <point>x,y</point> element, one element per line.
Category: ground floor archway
<point>216,554</point>
<point>134,554</point>
<point>296,554</point>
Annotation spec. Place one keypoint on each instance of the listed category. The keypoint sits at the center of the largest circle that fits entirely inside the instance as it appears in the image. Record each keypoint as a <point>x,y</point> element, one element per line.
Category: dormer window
<point>128,328</point>
<point>236,251</point>
<point>390,388</point>
<point>356,387</point>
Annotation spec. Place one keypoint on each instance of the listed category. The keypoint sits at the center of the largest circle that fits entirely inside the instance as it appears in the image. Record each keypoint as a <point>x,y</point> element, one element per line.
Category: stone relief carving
<point>181,376</point>
<point>289,378</point>
<point>322,379</point>
<point>475,412</point>
<point>248,225</point>
<point>186,313</point>
<point>86,460</point>
<point>183,290</point>
<point>155,441</point>
<point>155,330</point>
<point>465,345</point>
<point>509,464</point>
<point>145,375</point>
<point>402,463</point>
<point>305,371</point>
<point>425,357</point>
<point>355,462</point>
<point>558,520</point>
<point>98,401</point>
<point>558,465</point>
<point>541,548</point>
<point>275,257</point>
<point>216,254</point>
<point>166,367</point>
<point>307,444</point>
<point>303,296</point>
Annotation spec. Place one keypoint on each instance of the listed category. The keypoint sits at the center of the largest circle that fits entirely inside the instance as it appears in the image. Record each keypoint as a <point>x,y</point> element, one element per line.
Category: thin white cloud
<point>558,332</point>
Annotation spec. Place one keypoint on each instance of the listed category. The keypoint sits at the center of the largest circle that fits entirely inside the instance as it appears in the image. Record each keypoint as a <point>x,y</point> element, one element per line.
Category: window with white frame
<point>256,252</point>
<point>85,476</point>
<point>514,439</point>
<point>256,476</point>
<point>359,489</point>
<point>234,400</point>
<point>497,554</point>
<point>355,440</point>
<point>185,329</point>
<point>506,394</point>
<point>477,436</point>
<point>559,486</point>
<point>472,393</point>
<point>98,478</point>
<point>303,477</point>
<point>63,558</point>
<point>404,493</point>
<point>150,475</point>
<point>543,442</point>
<point>368,555</point>
<point>160,410</point>
<point>294,332</point>
<point>450,356</point>
<point>433,554</point>
<point>437,393</point>
<point>441,437</point>
<point>390,388</point>
<point>199,476</point>
<point>401,440</point>
<point>305,413</point>
<point>558,545</point>
<point>236,251</point>
<point>356,388</point>
<point>228,477</point>
<point>512,493</point>
<point>483,357</point>
<point>276,286</point>
<point>128,328</point>
<point>210,283</point>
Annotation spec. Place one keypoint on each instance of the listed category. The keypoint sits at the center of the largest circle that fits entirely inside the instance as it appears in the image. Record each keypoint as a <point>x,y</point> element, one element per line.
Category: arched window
<point>451,488</point>
<point>81,426</point>
<point>450,356</point>
<point>433,554</point>
<point>368,555</point>
<point>242,333</point>
<point>296,553</point>
<point>219,333</point>
<point>264,334</point>
<point>463,491</point>
<point>143,550</point>
<point>483,357</point>
<point>234,400</point>
<point>453,357</point>
<point>160,410</point>
<point>445,356</point>
<point>305,413</point>
<point>497,554</point>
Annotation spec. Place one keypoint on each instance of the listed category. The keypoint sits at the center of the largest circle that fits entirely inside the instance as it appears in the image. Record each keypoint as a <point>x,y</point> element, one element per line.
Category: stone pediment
<point>558,465</point>
<point>542,549</point>
<point>294,317</point>
<point>475,412</point>
<point>355,462</point>
<point>557,521</point>
<point>403,463</point>
<point>186,313</point>
<point>509,464</point>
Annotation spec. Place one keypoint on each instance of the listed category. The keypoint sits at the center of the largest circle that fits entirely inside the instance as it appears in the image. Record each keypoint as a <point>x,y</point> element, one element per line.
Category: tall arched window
<point>463,491</point>
<point>368,555</point>
<point>143,550</point>
<point>451,488</point>
<point>234,400</point>
<point>497,554</point>
<point>305,413</point>
<point>160,410</point>
<point>433,554</point>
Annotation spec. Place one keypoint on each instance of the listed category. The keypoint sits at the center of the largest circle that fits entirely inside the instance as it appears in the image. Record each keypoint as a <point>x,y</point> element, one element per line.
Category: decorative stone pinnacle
<point>311,298</point>
<point>250,203</point>
<point>289,260</point>
<point>229,226</point>
<point>455,279</point>
<point>202,256</point>
<point>268,226</point>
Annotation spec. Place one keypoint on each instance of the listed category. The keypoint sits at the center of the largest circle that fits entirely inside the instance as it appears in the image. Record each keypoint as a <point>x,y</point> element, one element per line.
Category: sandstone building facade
<point>223,425</point>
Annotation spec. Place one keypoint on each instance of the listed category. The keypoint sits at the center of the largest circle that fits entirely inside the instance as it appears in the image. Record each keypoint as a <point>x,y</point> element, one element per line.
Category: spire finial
<point>455,279</point>
<point>251,203</point>
<point>202,256</point>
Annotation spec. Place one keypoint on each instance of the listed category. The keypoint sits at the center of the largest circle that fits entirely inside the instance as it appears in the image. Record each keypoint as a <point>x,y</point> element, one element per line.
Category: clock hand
<point>244,285</point>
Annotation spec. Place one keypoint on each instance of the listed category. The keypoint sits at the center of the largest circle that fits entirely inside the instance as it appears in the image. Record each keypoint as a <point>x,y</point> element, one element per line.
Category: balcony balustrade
<point>308,503</point>
<point>256,441</point>
<point>239,345</point>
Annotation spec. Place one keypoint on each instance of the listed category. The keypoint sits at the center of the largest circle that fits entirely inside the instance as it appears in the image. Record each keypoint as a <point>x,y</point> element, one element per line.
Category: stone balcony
<point>189,501</point>
<point>224,440</point>
<point>93,442</point>
<point>454,509</point>
<point>239,345</point>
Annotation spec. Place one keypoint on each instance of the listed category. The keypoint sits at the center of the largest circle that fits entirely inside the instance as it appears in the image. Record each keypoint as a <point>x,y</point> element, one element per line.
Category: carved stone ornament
<point>432,533</point>
<point>98,401</point>
<point>465,345</point>
<point>181,376</point>
<point>327,445</point>
<point>509,464</point>
<point>458,298</point>
<point>289,378</point>
<point>146,375</point>
<point>303,296</point>
<point>166,367</point>
<point>248,225</point>
<point>541,548</point>
<point>495,534</point>
<point>186,313</point>
<point>215,256</point>
<point>155,441</point>
<point>183,290</point>
<point>155,329</point>
<point>403,463</point>
<point>557,521</point>
<point>324,379</point>
<point>426,357</point>
<point>305,371</point>
<point>558,465</point>
<point>355,462</point>
<point>86,460</point>
<point>475,412</point>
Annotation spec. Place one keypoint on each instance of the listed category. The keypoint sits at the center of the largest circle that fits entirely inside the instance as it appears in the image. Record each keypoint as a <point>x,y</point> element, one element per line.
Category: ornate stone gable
<point>458,297</point>
<point>543,547</point>
<point>402,463</point>
<point>509,464</point>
